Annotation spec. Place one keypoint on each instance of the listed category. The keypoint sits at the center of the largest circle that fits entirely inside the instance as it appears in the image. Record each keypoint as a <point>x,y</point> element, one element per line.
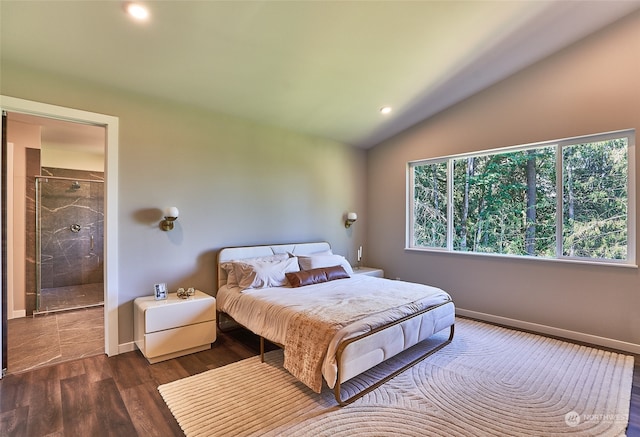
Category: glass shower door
<point>69,240</point>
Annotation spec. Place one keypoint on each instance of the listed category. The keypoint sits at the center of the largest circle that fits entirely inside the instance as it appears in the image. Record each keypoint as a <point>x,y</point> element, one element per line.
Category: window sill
<point>522,258</point>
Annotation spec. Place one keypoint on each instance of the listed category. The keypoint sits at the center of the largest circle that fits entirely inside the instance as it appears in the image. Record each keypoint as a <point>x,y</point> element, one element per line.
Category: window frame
<point>630,260</point>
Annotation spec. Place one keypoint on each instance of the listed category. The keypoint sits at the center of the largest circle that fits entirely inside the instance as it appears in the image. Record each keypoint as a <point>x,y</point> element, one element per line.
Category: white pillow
<point>228,266</point>
<point>264,274</point>
<point>322,252</point>
<point>316,261</point>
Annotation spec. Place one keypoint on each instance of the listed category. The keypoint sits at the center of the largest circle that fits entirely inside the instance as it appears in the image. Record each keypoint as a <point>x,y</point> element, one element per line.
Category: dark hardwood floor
<point>101,396</point>
<point>118,396</point>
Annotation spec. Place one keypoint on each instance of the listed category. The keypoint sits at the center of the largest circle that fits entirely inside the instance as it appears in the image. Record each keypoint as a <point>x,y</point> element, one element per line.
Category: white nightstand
<point>165,329</point>
<point>371,271</point>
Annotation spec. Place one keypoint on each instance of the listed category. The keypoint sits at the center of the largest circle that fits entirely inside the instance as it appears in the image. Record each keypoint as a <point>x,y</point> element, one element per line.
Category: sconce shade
<point>172,211</point>
<point>170,215</point>
<point>351,218</point>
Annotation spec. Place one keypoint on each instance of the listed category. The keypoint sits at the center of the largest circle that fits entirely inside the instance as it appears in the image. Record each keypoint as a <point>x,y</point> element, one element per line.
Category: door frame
<point>12,104</point>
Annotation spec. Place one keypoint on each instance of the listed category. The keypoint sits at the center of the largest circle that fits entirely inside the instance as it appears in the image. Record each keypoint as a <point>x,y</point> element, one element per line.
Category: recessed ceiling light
<point>385,110</point>
<point>137,11</point>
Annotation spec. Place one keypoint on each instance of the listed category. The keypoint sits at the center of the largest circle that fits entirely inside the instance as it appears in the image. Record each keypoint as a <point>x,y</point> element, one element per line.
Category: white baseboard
<point>126,347</point>
<point>18,314</point>
<point>550,330</point>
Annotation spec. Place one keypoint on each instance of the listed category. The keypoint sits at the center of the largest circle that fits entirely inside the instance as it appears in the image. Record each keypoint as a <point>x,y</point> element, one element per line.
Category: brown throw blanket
<point>309,333</point>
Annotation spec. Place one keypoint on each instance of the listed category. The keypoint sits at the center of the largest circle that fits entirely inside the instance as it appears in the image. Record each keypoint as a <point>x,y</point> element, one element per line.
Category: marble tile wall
<point>72,228</point>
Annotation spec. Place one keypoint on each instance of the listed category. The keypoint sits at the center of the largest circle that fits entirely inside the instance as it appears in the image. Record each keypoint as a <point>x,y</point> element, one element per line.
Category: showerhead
<point>75,185</point>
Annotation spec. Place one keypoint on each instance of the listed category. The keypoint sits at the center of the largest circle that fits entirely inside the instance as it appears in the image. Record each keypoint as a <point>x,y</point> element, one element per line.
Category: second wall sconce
<point>170,216</point>
<point>351,218</point>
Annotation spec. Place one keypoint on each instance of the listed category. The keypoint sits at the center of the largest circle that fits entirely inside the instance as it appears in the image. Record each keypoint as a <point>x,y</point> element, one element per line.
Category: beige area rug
<point>488,381</point>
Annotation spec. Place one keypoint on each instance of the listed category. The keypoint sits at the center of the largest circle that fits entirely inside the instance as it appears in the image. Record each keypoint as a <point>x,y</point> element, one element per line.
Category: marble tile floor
<point>43,340</point>
<point>73,296</point>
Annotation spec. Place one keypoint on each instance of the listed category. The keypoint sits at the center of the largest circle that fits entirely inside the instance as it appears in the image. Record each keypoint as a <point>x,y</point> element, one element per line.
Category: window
<point>512,201</point>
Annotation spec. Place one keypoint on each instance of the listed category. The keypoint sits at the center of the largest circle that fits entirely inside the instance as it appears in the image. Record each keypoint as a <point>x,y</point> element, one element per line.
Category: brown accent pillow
<point>335,272</point>
<point>316,276</point>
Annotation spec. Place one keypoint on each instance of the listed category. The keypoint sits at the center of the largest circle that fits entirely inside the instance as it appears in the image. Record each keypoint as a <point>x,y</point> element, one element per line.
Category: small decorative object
<point>359,256</point>
<point>160,291</point>
<point>186,294</point>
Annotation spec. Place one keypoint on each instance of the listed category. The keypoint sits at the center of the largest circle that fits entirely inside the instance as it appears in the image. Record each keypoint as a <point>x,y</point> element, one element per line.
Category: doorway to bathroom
<point>57,224</point>
<point>57,241</point>
<point>13,304</point>
<point>69,230</point>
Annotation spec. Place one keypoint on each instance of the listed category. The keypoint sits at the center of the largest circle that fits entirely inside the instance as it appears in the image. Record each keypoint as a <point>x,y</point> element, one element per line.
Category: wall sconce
<point>170,216</point>
<point>351,218</point>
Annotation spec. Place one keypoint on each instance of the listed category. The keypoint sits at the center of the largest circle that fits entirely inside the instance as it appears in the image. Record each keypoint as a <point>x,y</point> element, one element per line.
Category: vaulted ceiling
<point>322,68</point>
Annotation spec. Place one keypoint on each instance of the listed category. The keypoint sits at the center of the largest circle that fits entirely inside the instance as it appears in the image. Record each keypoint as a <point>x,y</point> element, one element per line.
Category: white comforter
<point>268,311</point>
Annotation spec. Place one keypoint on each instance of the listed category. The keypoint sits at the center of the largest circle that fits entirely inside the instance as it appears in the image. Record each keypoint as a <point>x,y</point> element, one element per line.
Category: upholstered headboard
<point>236,253</point>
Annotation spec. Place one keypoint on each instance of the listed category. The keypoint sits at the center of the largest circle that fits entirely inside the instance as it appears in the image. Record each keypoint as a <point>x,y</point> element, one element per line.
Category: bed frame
<point>358,354</point>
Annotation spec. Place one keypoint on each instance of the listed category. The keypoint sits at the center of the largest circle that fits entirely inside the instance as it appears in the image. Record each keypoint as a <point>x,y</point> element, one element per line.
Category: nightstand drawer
<point>172,340</point>
<point>176,314</point>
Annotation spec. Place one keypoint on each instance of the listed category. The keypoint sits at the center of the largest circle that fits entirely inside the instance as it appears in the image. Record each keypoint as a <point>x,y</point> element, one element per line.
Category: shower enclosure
<point>69,243</point>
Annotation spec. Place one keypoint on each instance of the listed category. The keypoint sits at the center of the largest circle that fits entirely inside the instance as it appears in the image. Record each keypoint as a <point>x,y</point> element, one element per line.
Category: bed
<point>332,322</point>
